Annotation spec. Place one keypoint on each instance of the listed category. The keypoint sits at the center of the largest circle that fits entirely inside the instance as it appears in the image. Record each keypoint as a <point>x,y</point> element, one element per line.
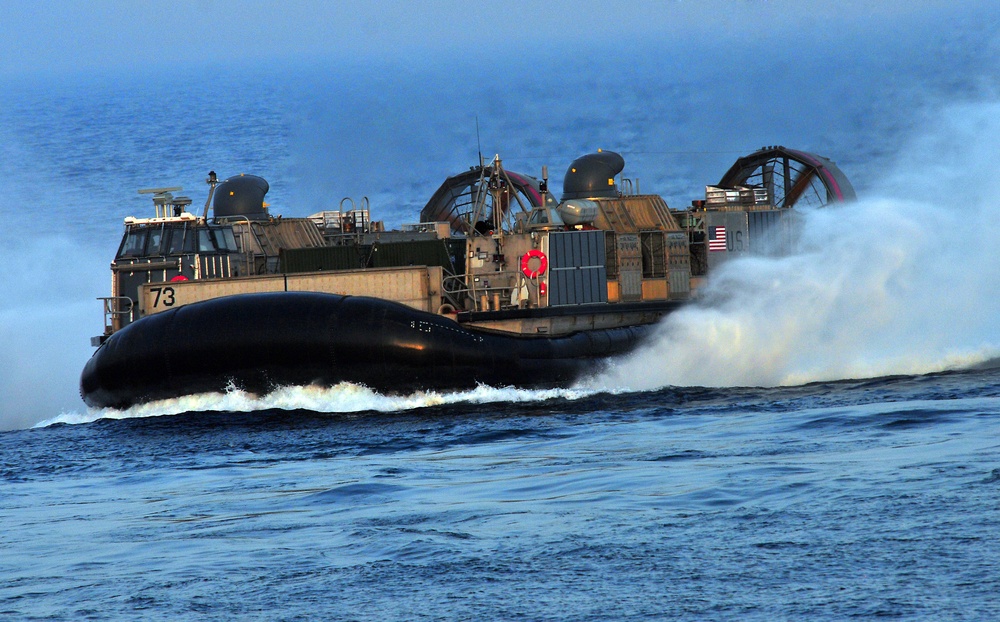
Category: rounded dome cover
<point>593,176</point>
<point>241,196</point>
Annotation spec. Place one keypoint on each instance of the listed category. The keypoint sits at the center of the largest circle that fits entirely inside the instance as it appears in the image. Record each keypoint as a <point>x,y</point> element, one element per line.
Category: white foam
<point>901,283</point>
<point>342,398</point>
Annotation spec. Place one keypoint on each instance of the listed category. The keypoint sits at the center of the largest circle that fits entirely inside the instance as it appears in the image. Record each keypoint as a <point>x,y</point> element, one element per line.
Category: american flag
<point>716,238</point>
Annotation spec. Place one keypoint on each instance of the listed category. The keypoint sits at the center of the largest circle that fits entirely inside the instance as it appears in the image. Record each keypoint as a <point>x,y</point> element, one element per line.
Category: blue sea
<point>817,439</point>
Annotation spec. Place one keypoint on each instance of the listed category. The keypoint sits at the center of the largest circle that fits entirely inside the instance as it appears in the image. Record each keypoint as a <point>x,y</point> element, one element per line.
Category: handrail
<point>113,312</point>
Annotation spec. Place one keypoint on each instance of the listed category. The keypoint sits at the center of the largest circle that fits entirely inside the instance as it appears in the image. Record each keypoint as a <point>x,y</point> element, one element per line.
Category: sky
<point>42,37</point>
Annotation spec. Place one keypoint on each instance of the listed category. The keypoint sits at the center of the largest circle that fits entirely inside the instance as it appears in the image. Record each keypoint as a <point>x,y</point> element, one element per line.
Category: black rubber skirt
<point>258,342</point>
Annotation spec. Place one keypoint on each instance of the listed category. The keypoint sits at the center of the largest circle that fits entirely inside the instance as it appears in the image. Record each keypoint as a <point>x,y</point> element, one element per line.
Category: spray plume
<point>900,283</point>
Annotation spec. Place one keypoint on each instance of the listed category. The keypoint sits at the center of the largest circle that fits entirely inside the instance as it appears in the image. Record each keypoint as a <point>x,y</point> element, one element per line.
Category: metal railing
<point>116,308</point>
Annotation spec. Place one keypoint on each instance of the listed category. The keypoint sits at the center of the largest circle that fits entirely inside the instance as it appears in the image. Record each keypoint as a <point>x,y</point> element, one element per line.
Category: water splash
<point>342,398</point>
<point>902,283</point>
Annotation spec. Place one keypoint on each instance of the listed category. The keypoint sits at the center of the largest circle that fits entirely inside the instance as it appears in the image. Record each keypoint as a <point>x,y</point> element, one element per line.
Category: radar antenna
<point>163,197</point>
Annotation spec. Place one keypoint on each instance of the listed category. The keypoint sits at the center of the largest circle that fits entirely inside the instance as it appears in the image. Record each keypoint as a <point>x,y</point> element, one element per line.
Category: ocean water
<point>819,438</point>
<point>831,500</point>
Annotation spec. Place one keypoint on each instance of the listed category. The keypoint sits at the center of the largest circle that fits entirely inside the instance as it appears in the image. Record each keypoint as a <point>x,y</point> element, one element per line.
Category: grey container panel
<point>576,248</point>
<point>770,232</point>
<point>569,286</point>
<point>577,271</point>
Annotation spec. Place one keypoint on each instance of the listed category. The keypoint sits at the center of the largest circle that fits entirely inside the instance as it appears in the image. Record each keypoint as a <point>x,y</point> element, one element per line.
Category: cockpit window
<point>190,240</point>
<point>205,241</point>
<point>225,240</point>
<point>134,243</point>
<point>176,242</point>
<point>155,237</point>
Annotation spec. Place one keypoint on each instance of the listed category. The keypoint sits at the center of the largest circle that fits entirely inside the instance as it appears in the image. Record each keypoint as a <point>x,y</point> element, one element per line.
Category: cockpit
<point>174,239</point>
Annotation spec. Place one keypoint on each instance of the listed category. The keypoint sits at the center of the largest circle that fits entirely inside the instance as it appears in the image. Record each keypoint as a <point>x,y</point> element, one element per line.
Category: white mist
<point>902,282</point>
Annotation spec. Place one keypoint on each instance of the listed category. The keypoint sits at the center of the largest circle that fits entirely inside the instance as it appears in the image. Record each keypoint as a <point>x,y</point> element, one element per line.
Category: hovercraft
<point>499,283</point>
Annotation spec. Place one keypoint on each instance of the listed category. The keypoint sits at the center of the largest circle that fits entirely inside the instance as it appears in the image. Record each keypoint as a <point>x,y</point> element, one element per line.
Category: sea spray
<point>48,311</point>
<point>342,398</point>
<point>902,282</point>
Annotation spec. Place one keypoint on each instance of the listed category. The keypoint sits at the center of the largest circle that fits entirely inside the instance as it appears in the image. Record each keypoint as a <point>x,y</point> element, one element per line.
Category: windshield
<point>133,244</point>
<point>177,240</point>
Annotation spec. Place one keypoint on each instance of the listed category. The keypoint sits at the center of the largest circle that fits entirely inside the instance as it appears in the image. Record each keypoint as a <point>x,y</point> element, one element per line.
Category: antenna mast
<point>479,145</point>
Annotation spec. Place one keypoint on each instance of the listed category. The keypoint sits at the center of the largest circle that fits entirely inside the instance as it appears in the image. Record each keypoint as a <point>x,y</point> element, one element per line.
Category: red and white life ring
<point>543,263</point>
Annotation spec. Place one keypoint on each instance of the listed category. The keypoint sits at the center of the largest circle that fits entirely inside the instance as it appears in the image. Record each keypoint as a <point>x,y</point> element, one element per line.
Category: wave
<point>342,398</point>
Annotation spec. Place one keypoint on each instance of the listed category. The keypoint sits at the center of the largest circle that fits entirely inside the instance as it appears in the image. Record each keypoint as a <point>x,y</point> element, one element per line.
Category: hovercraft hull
<point>258,342</point>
